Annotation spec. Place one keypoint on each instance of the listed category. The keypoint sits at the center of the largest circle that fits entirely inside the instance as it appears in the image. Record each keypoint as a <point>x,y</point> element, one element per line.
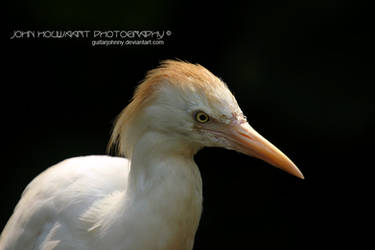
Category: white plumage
<point>153,200</point>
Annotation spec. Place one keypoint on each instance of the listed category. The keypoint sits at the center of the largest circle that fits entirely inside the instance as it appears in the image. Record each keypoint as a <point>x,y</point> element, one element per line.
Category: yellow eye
<point>201,117</point>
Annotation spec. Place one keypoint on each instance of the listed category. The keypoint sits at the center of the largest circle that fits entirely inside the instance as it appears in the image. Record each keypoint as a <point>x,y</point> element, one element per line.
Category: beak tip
<point>301,176</point>
<point>298,173</point>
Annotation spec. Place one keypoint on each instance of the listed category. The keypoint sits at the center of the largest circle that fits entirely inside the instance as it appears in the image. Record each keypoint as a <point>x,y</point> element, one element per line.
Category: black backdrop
<point>302,72</point>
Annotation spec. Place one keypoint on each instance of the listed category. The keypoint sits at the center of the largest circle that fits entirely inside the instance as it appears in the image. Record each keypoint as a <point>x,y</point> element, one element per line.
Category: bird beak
<point>246,140</point>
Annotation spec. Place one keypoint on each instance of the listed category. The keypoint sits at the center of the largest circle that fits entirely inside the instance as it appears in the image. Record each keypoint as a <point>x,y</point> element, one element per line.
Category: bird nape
<point>153,198</point>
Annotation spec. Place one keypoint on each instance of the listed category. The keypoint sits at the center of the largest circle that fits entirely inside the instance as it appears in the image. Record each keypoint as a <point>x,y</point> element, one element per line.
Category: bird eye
<point>201,117</point>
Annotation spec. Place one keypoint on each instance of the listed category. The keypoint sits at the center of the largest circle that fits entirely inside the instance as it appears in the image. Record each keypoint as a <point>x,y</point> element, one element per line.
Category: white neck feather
<point>164,178</point>
<point>156,157</point>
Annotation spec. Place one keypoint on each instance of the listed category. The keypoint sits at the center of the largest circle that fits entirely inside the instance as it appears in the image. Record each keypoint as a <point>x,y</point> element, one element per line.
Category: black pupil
<point>202,117</point>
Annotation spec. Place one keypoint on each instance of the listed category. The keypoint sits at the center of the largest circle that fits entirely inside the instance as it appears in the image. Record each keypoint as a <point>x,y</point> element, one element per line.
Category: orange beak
<point>246,140</point>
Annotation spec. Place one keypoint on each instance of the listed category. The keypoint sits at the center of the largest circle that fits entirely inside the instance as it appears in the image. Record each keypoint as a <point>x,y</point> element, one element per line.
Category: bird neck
<point>165,184</point>
<point>159,159</point>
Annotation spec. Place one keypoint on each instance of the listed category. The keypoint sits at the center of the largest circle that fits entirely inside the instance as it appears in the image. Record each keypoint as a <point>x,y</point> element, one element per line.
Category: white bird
<point>152,199</point>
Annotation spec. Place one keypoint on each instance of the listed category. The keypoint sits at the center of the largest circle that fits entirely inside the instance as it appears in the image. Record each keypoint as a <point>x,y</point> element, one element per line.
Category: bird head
<point>187,102</point>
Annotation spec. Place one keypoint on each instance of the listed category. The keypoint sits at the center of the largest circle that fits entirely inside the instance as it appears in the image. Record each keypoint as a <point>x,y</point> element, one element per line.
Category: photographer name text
<point>86,34</point>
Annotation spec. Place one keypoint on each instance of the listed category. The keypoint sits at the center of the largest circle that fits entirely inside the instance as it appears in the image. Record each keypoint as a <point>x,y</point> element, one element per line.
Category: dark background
<point>302,72</point>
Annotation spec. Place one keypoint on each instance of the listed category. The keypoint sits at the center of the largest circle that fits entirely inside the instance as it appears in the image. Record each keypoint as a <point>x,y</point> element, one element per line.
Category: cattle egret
<point>153,198</point>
